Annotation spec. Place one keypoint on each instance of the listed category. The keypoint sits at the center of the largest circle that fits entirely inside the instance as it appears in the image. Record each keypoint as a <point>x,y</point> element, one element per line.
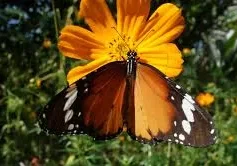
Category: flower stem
<point>56,25</point>
<point>55,20</point>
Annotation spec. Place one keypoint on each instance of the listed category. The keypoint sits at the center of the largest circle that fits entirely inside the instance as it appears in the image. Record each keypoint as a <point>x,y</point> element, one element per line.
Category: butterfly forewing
<point>164,111</point>
<point>60,110</point>
<point>92,105</point>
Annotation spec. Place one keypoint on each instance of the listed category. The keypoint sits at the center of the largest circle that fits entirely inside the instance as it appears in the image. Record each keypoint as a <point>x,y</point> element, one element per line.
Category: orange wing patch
<point>153,115</point>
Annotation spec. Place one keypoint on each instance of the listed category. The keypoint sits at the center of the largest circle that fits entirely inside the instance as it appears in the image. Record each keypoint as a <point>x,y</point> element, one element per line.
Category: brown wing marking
<point>153,114</point>
<point>102,108</point>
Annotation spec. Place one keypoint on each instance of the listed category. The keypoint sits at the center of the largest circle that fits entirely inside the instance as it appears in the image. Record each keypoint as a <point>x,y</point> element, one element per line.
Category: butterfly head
<point>132,55</point>
<point>131,62</point>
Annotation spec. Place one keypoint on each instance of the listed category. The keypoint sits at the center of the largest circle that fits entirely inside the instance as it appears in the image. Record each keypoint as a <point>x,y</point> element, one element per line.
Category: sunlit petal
<point>170,71</point>
<point>164,26</point>
<point>132,16</point>
<point>79,43</point>
<point>98,16</point>
<point>165,57</point>
<point>81,71</point>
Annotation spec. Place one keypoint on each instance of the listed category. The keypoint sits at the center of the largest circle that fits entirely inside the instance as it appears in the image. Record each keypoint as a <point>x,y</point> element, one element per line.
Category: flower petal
<point>81,71</point>
<point>168,71</point>
<point>132,16</point>
<point>167,24</point>
<point>165,57</point>
<point>79,43</point>
<point>98,16</point>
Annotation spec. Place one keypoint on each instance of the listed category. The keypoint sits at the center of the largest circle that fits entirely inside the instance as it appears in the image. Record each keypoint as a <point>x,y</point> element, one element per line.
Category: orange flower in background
<point>186,51</point>
<point>47,43</point>
<point>150,37</point>
<point>205,99</point>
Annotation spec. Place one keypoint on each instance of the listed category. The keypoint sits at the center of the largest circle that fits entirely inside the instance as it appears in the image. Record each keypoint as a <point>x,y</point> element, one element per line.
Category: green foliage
<point>31,73</point>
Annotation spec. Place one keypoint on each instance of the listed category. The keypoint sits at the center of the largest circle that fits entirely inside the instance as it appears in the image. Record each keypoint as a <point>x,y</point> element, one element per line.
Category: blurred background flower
<point>47,43</point>
<point>186,51</point>
<point>205,99</point>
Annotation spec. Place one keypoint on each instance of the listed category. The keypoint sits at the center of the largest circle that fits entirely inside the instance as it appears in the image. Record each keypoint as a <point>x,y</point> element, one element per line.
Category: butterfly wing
<point>92,105</point>
<point>164,111</point>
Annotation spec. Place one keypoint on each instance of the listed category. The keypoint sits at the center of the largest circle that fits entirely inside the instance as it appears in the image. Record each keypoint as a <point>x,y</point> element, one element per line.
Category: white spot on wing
<point>68,115</point>
<point>175,123</point>
<point>212,131</point>
<point>79,114</point>
<point>178,87</point>
<point>70,127</point>
<point>70,93</point>
<point>172,97</point>
<point>186,126</point>
<point>86,90</point>
<point>189,98</point>
<point>181,137</point>
<point>187,108</point>
<point>175,135</point>
<point>70,101</point>
<point>71,87</point>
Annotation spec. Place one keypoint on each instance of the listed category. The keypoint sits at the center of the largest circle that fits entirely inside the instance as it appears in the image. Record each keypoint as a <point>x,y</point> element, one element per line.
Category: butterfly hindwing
<point>197,128</point>
<point>165,112</point>
<point>92,105</point>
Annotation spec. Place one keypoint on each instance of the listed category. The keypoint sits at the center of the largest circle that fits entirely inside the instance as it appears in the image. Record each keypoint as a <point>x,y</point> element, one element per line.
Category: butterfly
<point>133,95</point>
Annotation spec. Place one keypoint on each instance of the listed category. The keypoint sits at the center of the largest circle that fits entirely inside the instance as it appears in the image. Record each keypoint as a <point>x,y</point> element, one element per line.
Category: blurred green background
<point>32,71</point>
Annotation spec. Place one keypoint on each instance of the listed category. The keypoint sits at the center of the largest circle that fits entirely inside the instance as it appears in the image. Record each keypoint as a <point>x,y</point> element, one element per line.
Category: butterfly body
<point>132,94</point>
<point>131,63</point>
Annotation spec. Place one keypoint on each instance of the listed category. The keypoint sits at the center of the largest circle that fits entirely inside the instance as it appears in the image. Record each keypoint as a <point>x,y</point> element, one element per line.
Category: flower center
<point>119,47</point>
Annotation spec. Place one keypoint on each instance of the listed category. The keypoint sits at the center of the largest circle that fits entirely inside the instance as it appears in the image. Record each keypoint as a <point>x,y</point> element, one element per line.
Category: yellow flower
<point>205,99</point>
<point>186,51</point>
<point>32,115</point>
<point>230,139</point>
<point>38,83</point>
<point>235,110</point>
<point>47,43</point>
<point>121,138</point>
<point>150,37</point>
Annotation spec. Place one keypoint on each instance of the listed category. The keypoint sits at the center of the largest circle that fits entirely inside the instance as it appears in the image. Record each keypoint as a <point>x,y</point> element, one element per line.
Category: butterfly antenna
<point>144,38</point>
<point>122,38</point>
